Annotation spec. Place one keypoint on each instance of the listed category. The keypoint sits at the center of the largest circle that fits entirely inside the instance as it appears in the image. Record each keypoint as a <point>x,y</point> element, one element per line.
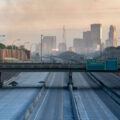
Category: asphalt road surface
<point>94,104</point>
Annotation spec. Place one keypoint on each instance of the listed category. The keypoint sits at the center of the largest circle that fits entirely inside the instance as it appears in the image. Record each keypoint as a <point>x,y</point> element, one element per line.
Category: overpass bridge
<point>39,67</point>
<point>50,67</point>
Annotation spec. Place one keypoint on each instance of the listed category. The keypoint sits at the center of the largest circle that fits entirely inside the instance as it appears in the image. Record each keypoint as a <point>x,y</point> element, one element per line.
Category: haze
<point>27,19</point>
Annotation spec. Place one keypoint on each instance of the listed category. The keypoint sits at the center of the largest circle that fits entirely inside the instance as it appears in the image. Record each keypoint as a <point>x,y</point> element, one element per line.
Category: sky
<point>27,19</point>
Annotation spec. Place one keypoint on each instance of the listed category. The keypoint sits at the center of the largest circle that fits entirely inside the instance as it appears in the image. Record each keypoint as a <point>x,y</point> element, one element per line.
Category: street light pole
<point>41,47</point>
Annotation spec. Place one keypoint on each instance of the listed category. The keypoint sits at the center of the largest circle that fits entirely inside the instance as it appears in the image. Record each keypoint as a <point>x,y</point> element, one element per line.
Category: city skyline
<point>70,35</point>
<point>27,19</point>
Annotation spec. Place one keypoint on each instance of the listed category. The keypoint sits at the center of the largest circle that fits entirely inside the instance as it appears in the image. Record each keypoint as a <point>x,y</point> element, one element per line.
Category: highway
<point>28,79</point>
<point>55,101</point>
<point>14,102</point>
<point>109,79</point>
<point>94,104</point>
<point>52,103</point>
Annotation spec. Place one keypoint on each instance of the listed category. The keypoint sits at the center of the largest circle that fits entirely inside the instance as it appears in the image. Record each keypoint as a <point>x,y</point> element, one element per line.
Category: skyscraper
<point>96,35</point>
<point>48,43</point>
<point>113,36</point>
<point>64,34</point>
<point>62,45</point>
<point>78,44</point>
<point>87,41</point>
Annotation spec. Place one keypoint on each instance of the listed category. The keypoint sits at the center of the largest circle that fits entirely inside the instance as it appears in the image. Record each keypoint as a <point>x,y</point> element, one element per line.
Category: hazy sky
<point>27,18</point>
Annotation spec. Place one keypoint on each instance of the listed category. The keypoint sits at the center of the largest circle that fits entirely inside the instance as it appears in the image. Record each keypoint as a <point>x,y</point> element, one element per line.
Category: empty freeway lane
<point>92,102</point>
<point>55,102</point>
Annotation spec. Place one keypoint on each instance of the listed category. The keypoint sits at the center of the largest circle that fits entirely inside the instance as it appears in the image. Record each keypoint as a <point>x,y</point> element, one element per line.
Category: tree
<point>2,46</point>
<point>110,48</point>
<point>22,48</point>
<point>118,48</point>
<point>16,47</point>
<point>12,47</point>
<point>9,47</point>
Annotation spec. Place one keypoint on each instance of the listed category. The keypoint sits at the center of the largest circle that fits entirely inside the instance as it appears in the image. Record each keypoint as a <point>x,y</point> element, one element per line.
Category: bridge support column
<point>1,83</point>
<point>70,78</point>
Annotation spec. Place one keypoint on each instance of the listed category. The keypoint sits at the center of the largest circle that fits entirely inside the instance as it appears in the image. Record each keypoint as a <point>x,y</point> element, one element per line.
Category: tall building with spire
<point>112,40</point>
<point>64,35</point>
<point>113,36</point>
<point>62,45</point>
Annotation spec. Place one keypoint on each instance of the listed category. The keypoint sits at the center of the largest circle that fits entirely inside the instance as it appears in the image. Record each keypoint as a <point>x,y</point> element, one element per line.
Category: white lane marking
<point>102,105</point>
<point>82,110</point>
<point>85,83</point>
<point>44,98</point>
<point>79,80</point>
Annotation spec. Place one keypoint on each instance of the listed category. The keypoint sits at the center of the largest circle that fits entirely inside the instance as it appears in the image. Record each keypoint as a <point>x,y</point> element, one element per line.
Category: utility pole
<point>41,47</point>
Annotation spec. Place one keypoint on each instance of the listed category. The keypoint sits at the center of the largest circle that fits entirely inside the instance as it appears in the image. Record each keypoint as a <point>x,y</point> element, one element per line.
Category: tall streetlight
<point>41,47</point>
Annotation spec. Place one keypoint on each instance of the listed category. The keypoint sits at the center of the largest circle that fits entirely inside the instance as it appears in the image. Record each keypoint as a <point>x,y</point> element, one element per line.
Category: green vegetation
<point>118,48</point>
<point>109,52</point>
<point>16,47</point>
<point>22,48</point>
<point>12,47</point>
<point>2,46</point>
<point>112,48</point>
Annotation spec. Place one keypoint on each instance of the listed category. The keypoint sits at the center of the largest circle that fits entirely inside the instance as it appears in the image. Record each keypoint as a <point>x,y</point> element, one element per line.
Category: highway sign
<point>112,64</point>
<point>93,65</point>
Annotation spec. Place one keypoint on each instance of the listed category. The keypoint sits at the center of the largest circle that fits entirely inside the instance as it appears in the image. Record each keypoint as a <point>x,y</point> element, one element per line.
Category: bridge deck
<point>38,67</point>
